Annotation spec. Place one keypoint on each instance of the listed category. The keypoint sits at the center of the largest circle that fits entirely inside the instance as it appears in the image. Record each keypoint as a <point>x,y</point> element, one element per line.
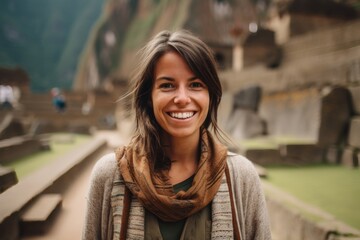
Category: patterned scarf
<point>157,195</point>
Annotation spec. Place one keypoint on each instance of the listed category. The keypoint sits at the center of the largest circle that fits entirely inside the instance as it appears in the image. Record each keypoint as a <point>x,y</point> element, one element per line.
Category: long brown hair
<point>200,59</point>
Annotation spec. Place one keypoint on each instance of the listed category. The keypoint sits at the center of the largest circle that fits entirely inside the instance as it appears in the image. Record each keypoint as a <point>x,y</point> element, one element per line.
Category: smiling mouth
<point>181,115</point>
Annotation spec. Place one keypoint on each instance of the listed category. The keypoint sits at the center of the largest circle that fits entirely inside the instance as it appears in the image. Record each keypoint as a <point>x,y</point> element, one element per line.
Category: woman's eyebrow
<point>165,78</point>
<point>193,78</point>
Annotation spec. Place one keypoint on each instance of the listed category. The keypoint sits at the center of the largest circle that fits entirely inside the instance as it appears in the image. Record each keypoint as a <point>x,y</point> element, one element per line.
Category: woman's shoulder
<point>239,160</point>
<point>240,165</point>
<point>105,168</point>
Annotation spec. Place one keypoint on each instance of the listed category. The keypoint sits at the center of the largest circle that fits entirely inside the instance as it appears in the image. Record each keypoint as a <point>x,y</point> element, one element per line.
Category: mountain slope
<point>46,37</point>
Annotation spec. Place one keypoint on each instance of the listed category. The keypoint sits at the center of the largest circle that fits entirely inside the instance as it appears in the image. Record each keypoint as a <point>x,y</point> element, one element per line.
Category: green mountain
<point>46,38</point>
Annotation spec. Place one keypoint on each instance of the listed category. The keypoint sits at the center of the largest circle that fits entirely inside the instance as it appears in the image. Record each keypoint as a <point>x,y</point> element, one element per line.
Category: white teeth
<point>182,115</point>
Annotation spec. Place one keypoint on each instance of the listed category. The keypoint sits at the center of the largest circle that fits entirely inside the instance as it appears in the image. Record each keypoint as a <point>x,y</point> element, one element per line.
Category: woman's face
<point>179,99</point>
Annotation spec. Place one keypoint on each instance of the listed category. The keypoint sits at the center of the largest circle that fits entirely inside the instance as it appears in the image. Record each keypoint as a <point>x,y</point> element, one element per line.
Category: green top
<point>197,226</point>
<point>173,230</point>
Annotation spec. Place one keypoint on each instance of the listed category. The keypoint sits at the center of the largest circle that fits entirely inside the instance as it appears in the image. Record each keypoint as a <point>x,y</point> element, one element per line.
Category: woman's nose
<point>182,96</point>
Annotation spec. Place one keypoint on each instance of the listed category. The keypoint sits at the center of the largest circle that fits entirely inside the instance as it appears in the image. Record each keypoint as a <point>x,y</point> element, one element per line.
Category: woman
<point>174,180</point>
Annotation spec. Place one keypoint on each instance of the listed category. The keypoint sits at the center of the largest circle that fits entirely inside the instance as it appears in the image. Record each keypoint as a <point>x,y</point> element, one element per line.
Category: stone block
<point>263,157</point>
<point>350,157</point>
<point>333,154</point>
<point>313,230</point>
<point>37,217</point>
<point>355,97</point>
<point>11,127</point>
<point>43,126</point>
<point>284,223</point>
<point>9,227</point>
<point>244,124</point>
<point>354,132</point>
<point>301,153</point>
<point>319,116</point>
<point>294,114</point>
<point>17,147</point>
<point>8,178</point>
<point>248,98</point>
<point>334,116</point>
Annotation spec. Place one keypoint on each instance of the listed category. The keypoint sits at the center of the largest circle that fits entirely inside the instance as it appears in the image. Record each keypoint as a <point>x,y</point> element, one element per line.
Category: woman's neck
<point>182,151</point>
<point>184,155</point>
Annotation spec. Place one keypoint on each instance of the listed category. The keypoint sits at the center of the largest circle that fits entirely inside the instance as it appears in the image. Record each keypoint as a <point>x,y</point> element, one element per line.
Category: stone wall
<point>312,98</point>
<point>318,59</point>
<point>292,219</point>
<point>294,127</point>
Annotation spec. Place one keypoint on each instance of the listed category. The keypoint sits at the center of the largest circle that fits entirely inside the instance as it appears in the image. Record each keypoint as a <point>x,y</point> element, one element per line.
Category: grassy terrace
<point>335,189</point>
<point>60,144</point>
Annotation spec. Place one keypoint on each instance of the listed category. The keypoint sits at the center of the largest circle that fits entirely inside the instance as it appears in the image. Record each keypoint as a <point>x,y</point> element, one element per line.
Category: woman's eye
<point>196,85</point>
<point>166,85</point>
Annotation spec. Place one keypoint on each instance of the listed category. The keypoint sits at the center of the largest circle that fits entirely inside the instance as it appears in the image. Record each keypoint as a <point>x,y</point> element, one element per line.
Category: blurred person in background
<point>7,97</point>
<point>58,100</point>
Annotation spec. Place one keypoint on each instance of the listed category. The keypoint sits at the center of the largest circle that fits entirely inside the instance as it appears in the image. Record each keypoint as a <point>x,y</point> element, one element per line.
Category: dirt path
<point>69,222</point>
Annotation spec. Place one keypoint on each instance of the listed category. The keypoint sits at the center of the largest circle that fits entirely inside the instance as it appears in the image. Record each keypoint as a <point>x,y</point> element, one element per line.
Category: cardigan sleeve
<point>249,199</point>
<point>98,217</point>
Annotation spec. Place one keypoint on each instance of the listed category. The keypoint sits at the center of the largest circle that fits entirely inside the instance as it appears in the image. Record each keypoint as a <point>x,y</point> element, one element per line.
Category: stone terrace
<point>315,59</point>
<point>310,101</point>
<point>20,212</point>
<point>305,111</point>
<point>39,107</point>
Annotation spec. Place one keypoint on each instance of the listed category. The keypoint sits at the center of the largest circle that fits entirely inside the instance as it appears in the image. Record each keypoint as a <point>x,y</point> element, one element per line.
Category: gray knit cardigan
<point>106,192</point>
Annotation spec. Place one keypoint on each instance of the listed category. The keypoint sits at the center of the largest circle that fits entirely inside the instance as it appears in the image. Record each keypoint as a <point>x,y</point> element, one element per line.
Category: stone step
<point>36,183</point>
<point>72,108</point>
<point>263,157</point>
<point>16,147</point>
<point>269,151</point>
<point>301,153</point>
<point>76,102</point>
<point>38,216</point>
<point>61,120</point>
<point>75,96</point>
<point>72,98</point>
<point>8,178</point>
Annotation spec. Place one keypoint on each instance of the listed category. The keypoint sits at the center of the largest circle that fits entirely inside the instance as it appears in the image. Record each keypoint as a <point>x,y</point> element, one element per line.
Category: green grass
<point>335,189</point>
<point>25,165</point>
<point>272,143</point>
